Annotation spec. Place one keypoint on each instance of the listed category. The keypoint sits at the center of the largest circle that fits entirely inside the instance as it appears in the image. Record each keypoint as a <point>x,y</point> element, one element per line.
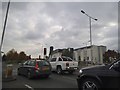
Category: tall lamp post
<point>4,27</point>
<point>90,31</point>
<point>86,59</point>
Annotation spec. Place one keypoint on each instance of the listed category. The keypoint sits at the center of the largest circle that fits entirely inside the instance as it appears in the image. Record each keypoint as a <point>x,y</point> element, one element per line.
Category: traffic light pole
<point>4,27</point>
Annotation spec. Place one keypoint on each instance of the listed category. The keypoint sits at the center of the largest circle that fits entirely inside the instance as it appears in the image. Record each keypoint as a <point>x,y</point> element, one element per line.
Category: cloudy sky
<point>34,25</point>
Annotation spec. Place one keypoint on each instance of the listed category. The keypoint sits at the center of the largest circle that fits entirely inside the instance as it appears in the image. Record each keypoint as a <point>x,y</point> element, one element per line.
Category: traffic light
<point>45,51</point>
<point>51,50</point>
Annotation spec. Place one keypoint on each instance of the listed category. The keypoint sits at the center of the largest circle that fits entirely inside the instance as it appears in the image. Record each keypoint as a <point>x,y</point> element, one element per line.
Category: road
<point>54,81</point>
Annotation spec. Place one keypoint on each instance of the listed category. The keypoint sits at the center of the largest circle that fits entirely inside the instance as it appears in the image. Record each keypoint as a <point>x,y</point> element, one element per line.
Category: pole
<point>90,32</point>
<point>5,24</point>
<point>86,56</point>
<point>91,40</point>
<point>4,28</point>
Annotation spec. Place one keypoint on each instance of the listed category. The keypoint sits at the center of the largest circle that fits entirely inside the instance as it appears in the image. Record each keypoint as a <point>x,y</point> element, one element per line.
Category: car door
<point>115,75</point>
<point>22,67</point>
<point>71,62</point>
<point>26,67</point>
<point>31,67</point>
<point>53,64</point>
<point>111,77</point>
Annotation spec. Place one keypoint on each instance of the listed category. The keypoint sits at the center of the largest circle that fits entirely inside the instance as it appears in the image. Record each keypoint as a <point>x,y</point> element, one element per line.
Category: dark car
<point>100,77</point>
<point>35,68</point>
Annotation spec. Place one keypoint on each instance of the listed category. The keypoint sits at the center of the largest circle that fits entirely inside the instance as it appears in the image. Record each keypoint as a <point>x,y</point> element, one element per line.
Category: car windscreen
<point>113,62</point>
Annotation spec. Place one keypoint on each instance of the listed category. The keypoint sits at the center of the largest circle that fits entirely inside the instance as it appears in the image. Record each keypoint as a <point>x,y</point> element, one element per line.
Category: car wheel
<point>29,75</point>
<point>59,70</point>
<point>90,84</point>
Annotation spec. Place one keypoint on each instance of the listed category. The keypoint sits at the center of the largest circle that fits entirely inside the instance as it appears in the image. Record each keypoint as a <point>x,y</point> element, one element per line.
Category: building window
<point>84,58</point>
<point>87,58</point>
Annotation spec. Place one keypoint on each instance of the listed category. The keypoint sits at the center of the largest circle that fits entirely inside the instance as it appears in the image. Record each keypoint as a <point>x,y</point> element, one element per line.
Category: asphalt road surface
<point>54,81</point>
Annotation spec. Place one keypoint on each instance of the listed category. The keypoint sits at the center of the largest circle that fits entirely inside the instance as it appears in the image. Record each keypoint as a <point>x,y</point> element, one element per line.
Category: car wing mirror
<point>117,67</point>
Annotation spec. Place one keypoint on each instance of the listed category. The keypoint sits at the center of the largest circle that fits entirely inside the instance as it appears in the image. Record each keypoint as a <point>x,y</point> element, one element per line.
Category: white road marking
<point>28,86</point>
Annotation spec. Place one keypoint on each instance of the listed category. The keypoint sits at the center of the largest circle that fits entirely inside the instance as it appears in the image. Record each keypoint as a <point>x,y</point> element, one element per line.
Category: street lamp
<point>90,30</point>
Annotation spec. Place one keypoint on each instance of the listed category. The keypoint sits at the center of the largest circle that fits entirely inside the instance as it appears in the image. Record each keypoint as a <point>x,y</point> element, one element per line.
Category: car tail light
<point>36,66</point>
<point>67,64</point>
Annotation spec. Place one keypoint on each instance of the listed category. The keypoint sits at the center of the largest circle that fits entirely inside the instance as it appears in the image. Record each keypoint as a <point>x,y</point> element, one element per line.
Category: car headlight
<point>80,72</point>
<point>68,67</point>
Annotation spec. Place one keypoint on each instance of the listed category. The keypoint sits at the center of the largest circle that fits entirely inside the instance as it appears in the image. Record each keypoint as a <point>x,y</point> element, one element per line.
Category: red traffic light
<point>45,51</point>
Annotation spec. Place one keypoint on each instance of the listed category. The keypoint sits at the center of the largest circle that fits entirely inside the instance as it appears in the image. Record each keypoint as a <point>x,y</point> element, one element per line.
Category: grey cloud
<point>31,22</point>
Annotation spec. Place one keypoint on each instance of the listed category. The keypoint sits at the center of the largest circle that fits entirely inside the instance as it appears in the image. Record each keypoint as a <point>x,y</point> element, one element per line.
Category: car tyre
<point>90,84</point>
<point>59,70</point>
<point>29,75</point>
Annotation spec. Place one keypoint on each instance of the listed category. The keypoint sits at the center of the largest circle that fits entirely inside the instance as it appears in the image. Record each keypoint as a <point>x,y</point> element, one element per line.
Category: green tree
<point>22,56</point>
<point>109,56</point>
<point>15,55</point>
<point>11,55</point>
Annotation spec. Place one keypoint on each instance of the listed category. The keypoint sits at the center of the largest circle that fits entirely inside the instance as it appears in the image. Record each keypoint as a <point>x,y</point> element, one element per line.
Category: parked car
<point>98,77</point>
<point>34,68</point>
<point>62,64</point>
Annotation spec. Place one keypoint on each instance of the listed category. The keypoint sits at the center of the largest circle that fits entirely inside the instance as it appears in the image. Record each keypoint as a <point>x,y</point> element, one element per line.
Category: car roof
<point>66,57</point>
<point>37,60</point>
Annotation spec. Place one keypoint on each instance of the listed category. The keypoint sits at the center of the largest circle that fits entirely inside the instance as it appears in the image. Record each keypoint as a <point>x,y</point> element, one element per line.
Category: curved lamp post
<point>90,31</point>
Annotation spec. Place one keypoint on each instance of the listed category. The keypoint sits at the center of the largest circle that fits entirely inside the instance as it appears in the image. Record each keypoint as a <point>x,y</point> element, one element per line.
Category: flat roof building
<point>84,54</point>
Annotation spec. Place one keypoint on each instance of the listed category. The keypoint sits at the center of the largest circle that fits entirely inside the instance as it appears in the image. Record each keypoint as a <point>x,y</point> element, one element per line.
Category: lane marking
<point>28,86</point>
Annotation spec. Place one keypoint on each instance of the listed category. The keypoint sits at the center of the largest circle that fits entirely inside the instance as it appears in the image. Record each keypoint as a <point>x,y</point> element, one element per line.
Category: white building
<point>56,53</point>
<point>85,53</point>
<point>62,52</point>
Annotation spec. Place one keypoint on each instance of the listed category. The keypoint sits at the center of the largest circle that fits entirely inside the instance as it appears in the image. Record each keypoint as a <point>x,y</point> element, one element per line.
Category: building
<point>62,52</point>
<point>56,53</point>
<point>84,54</point>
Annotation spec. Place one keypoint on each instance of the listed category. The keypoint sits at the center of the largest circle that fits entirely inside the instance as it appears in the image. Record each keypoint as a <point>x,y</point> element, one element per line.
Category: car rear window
<point>43,63</point>
<point>53,60</point>
<point>32,63</point>
<point>64,59</point>
<point>67,59</point>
